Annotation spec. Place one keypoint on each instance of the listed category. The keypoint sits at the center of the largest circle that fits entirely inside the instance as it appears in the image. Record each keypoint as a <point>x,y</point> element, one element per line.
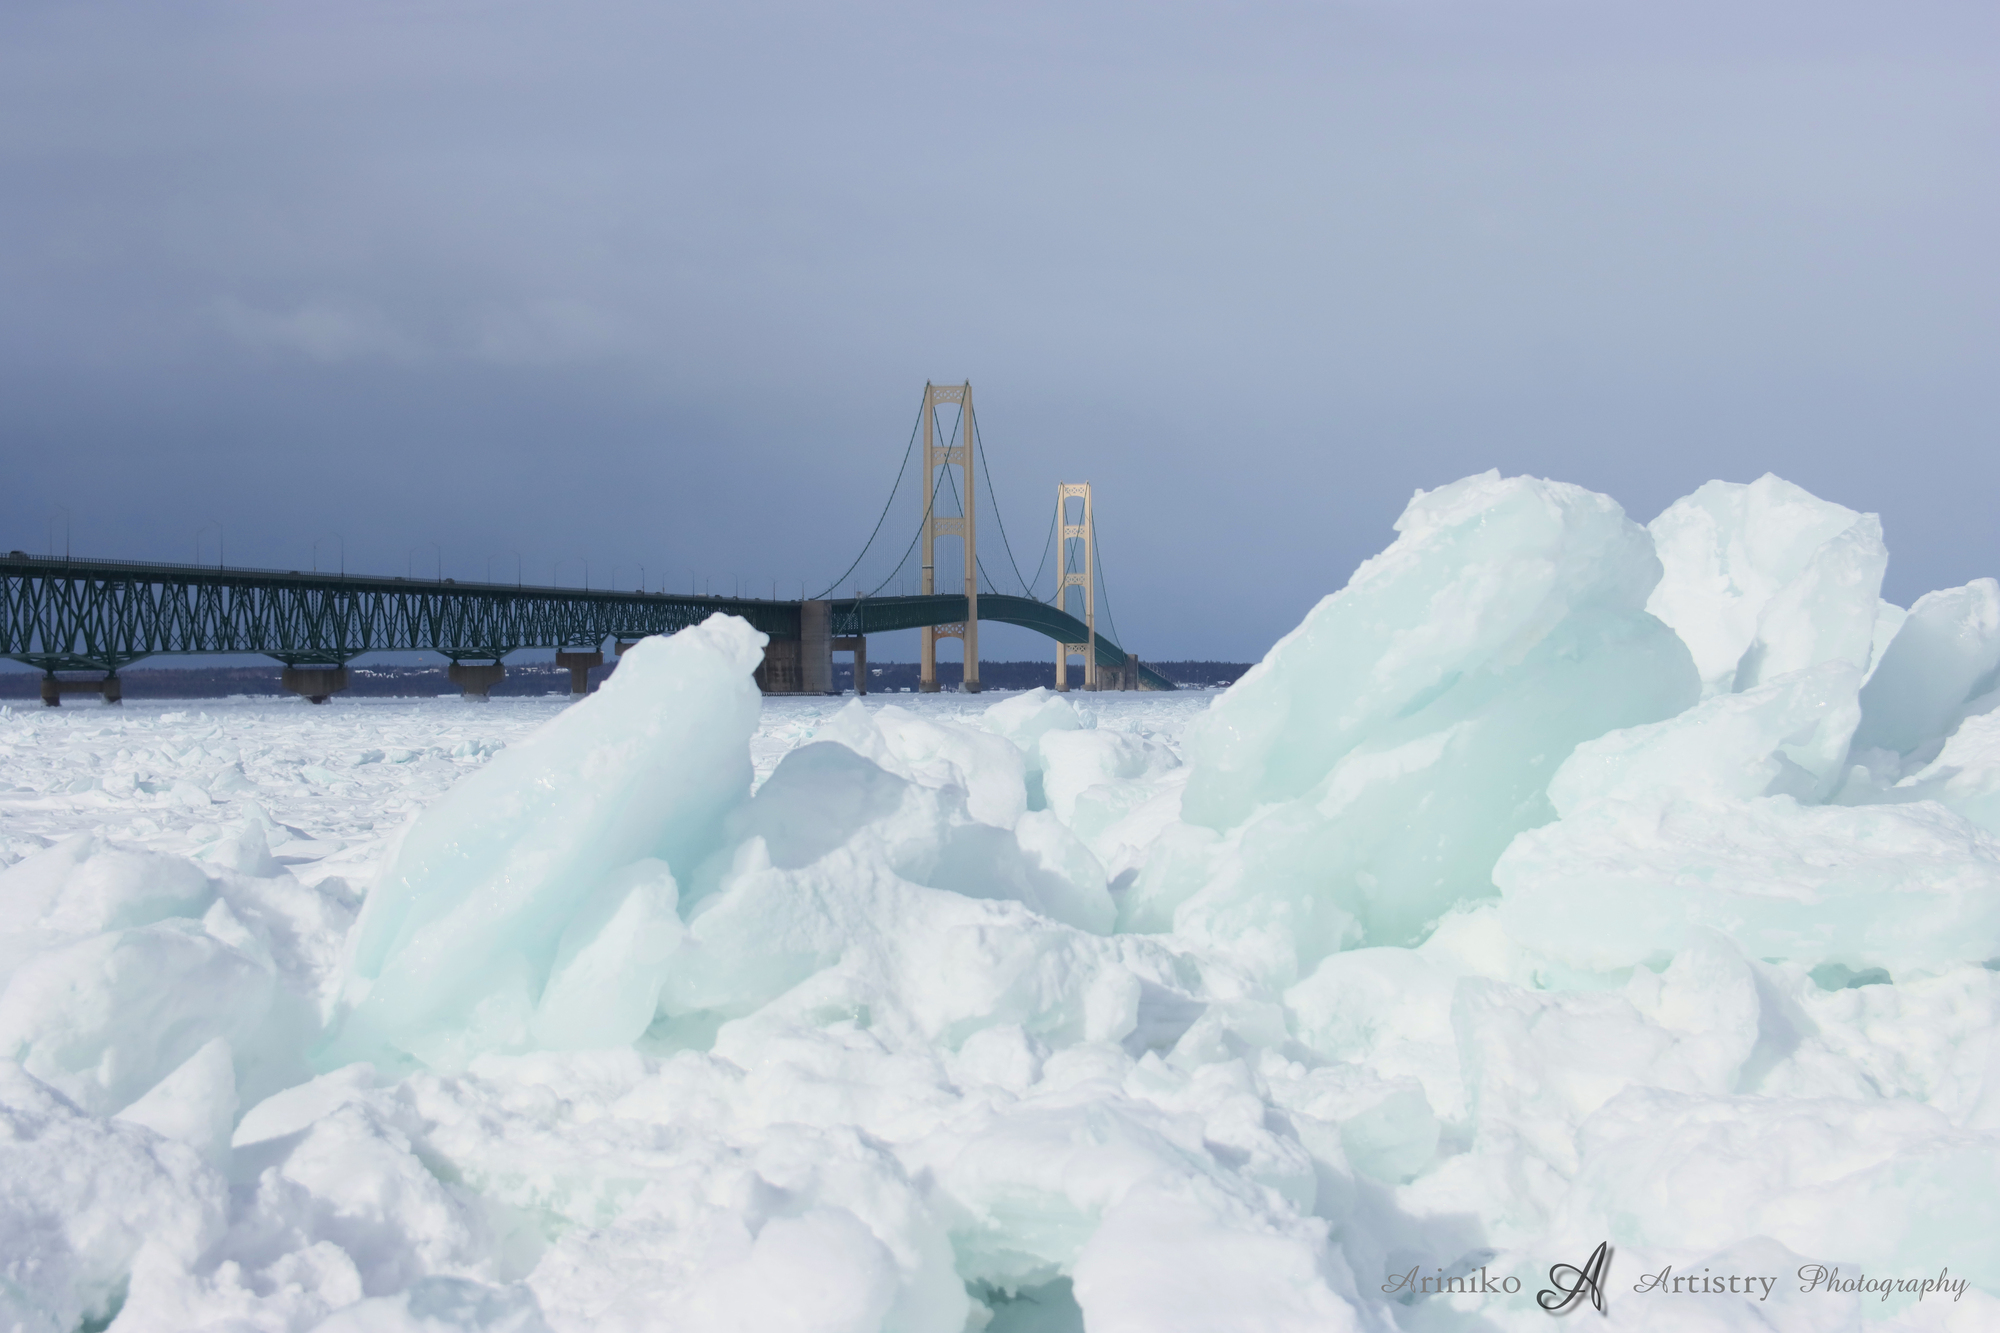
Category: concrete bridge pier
<point>815,648</point>
<point>803,665</point>
<point>579,664</point>
<point>317,683</point>
<point>858,645</point>
<point>53,689</point>
<point>477,679</point>
<point>778,673</point>
<point>1124,676</point>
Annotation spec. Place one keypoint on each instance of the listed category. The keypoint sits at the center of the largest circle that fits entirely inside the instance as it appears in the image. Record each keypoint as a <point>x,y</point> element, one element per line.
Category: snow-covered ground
<point>1561,883</point>
<point>338,780</point>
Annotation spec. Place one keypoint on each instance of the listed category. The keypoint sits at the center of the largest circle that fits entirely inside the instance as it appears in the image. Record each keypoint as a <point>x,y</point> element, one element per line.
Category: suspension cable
<point>899,565</point>
<point>999,521</point>
<point>942,474</point>
<point>1046,543</point>
<point>887,505</point>
<point>978,564</point>
<point>1066,560</point>
<point>1098,559</point>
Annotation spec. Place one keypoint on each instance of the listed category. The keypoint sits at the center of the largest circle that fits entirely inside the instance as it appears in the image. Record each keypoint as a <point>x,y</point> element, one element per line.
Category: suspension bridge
<point>76,614</point>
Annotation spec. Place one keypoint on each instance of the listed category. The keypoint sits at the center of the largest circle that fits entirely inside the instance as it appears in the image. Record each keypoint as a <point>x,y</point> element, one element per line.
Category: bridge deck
<point>102,614</point>
<point>877,615</point>
<point>83,614</point>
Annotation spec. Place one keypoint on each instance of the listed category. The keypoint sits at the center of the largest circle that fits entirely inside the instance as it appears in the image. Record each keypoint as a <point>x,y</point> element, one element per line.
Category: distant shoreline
<point>537,678</point>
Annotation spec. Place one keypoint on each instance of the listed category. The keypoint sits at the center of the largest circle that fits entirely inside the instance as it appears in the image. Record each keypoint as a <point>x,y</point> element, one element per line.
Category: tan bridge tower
<point>943,525</point>
<point>1068,577</point>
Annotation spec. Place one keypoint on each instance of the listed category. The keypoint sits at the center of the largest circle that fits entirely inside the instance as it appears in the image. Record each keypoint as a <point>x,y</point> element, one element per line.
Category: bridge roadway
<point>75,614</point>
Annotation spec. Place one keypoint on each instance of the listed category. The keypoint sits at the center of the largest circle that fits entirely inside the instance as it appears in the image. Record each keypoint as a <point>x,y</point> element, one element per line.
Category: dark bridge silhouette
<point>76,614</point>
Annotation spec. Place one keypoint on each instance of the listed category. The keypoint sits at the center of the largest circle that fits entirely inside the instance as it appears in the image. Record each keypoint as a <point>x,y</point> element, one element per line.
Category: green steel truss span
<point>80,614</point>
<point>73,614</point>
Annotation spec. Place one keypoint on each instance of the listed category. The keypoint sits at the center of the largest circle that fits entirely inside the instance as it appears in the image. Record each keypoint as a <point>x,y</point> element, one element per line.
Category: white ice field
<point>1560,881</point>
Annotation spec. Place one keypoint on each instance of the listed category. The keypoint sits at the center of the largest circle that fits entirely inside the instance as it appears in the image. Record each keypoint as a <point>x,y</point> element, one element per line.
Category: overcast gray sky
<point>661,284</point>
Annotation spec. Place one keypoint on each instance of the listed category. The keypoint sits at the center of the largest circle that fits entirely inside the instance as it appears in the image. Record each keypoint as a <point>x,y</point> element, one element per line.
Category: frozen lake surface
<point>172,776</point>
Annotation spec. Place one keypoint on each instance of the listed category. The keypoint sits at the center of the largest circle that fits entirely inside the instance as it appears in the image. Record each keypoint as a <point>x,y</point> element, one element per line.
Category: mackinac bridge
<point>89,615</point>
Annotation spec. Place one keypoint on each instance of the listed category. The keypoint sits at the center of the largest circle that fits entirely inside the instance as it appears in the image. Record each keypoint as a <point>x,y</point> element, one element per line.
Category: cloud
<point>335,330</point>
<point>329,330</point>
<point>547,332</point>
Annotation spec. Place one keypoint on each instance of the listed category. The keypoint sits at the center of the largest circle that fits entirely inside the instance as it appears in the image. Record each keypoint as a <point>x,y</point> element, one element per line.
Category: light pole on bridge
<point>212,523</point>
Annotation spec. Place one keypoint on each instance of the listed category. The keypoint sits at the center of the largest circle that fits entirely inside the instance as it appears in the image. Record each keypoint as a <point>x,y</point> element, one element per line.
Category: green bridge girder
<point>101,615</point>
<point>74,614</point>
<point>878,615</point>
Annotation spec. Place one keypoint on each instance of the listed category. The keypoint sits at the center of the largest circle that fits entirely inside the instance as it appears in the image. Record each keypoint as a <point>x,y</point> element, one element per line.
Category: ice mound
<point>1714,818</point>
<point>1557,882</point>
<point>1964,777</point>
<point>83,887</point>
<point>992,774</point>
<point>1945,656</point>
<point>1484,572</point>
<point>1024,720</point>
<point>1365,776</point>
<point>85,1200</point>
<point>1891,1185</point>
<point>1766,579</point>
<point>551,873</point>
<point>195,1105</point>
<point>131,963</point>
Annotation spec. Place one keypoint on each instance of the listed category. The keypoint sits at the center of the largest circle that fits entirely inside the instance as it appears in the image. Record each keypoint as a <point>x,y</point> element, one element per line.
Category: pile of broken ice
<point>1559,880</point>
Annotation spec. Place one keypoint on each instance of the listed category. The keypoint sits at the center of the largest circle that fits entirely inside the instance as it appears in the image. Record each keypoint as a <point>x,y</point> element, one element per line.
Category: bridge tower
<point>1068,577</point>
<point>938,525</point>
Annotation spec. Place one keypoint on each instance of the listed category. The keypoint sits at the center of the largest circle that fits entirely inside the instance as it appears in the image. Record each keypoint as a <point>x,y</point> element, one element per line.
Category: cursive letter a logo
<point>1564,1292</point>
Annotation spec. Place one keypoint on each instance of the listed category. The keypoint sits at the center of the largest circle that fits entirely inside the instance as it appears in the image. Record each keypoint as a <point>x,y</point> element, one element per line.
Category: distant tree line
<point>893,676</point>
